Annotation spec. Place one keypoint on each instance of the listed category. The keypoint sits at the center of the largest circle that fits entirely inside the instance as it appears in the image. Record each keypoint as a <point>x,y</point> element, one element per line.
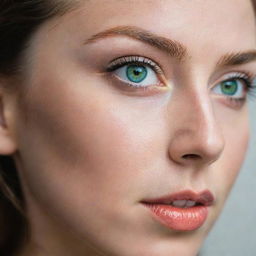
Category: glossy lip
<point>181,219</point>
<point>205,197</point>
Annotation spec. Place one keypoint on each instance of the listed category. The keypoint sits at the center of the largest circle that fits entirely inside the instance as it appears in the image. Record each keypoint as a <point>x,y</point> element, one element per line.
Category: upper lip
<point>205,198</point>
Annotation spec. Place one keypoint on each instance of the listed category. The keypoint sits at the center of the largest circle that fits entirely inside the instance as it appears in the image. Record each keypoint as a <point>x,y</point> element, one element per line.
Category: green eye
<point>235,88</point>
<point>229,87</point>
<point>136,73</point>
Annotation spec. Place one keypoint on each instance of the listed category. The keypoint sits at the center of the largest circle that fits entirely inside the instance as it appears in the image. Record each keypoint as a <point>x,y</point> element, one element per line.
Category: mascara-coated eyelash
<point>246,77</point>
<point>137,72</point>
<point>119,62</point>
<point>250,81</point>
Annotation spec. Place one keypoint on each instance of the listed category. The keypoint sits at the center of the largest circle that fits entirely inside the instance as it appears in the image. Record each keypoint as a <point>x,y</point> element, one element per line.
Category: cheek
<point>236,133</point>
<point>84,146</point>
<point>82,150</point>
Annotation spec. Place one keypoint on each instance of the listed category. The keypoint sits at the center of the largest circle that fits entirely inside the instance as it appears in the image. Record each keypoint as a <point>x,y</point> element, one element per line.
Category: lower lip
<point>180,219</point>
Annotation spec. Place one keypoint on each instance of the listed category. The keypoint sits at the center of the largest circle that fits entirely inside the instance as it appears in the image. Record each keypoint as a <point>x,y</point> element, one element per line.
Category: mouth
<point>183,211</point>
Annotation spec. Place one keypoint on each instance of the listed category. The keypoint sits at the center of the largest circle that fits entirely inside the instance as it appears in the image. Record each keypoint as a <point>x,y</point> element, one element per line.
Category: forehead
<point>222,26</point>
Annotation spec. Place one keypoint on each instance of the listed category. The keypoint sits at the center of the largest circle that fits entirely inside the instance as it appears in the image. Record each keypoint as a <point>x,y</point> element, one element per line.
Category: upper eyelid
<point>245,75</point>
<point>125,60</point>
<point>129,59</point>
<point>238,74</point>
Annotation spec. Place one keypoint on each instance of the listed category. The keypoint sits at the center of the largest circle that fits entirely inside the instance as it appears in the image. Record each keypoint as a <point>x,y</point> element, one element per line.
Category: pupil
<point>228,86</point>
<point>137,72</point>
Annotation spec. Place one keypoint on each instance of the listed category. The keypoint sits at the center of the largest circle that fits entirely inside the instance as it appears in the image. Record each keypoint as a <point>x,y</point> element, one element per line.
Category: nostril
<point>191,156</point>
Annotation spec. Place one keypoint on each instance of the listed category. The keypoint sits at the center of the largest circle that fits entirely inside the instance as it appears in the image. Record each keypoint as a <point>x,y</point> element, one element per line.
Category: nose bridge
<point>200,115</point>
<point>198,135</point>
<point>204,126</point>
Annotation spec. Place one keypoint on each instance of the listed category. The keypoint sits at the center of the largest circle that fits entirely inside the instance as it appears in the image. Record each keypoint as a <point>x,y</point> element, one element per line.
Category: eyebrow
<point>172,47</point>
<point>235,59</point>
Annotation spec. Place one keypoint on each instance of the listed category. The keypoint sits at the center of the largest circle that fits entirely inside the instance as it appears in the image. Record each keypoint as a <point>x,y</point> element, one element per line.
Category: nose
<point>197,137</point>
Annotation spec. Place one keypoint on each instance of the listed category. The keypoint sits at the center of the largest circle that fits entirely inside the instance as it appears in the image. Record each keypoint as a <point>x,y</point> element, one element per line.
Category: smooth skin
<point>89,148</point>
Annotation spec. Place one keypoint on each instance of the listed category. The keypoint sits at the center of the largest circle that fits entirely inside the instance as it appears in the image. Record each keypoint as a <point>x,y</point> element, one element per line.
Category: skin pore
<point>90,147</point>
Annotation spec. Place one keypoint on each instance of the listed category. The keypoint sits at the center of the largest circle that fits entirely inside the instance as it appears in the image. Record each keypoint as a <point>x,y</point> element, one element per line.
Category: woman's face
<point>132,102</point>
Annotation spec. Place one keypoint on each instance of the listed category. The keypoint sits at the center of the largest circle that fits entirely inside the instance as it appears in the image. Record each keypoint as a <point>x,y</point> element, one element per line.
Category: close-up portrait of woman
<point>123,123</point>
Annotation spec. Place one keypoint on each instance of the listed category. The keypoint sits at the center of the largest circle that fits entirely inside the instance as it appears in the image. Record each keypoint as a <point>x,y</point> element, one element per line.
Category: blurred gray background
<point>235,231</point>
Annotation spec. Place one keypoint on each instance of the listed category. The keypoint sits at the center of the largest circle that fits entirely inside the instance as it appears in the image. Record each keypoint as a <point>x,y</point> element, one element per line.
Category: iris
<point>229,87</point>
<point>136,73</point>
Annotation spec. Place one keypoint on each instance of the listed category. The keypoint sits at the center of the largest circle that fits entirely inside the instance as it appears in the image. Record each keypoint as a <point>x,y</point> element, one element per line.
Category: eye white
<point>150,79</point>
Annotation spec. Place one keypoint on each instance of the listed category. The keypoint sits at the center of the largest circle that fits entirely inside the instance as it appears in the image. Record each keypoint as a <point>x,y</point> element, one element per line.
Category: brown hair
<point>19,19</point>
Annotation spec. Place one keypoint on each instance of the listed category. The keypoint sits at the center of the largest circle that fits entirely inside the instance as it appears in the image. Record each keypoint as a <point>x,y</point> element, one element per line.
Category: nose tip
<point>191,147</point>
<point>198,137</point>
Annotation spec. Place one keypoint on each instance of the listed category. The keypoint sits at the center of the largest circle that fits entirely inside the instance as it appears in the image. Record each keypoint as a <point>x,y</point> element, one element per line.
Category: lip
<point>181,219</point>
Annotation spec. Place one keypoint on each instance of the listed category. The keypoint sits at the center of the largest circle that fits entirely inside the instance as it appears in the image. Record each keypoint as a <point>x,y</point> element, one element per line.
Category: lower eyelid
<point>132,91</point>
<point>237,103</point>
<point>230,102</point>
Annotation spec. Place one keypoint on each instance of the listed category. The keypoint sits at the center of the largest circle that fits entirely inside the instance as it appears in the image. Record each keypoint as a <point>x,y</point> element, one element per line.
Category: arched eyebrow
<point>235,59</point>
<point>171,47</point>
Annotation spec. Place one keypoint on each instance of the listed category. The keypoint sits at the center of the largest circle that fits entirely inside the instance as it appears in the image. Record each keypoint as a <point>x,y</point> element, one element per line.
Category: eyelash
<point>126,60</point>
<point>137,60</point>
<point>248,78</point>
